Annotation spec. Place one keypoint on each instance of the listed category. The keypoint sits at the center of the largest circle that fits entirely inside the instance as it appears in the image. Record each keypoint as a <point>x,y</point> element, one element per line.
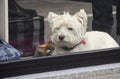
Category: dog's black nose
<point>61,37</point>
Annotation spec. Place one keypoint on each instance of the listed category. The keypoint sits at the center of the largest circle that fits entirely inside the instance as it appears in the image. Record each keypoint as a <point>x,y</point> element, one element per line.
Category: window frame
<point>59,62</point>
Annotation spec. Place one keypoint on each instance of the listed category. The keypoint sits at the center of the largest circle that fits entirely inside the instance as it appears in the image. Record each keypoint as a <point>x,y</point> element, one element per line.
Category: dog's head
<point>67,30</point>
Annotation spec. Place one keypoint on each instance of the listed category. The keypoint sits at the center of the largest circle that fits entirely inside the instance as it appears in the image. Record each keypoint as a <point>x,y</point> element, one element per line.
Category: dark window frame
<point>59,62</point>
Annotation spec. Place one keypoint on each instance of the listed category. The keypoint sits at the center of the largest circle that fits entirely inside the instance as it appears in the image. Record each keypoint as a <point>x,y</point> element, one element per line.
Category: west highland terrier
<point>69,34</point>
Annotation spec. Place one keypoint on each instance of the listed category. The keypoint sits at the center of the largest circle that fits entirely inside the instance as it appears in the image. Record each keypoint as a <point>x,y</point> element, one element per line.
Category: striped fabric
<point>8,52</point>
<point>24,34</point>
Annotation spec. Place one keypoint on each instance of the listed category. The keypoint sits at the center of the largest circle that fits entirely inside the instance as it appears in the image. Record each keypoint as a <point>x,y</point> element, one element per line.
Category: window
<point>30,65</point>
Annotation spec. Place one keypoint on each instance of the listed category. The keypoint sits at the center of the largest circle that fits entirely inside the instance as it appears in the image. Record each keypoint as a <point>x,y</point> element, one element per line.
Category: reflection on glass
<point>67,29</point>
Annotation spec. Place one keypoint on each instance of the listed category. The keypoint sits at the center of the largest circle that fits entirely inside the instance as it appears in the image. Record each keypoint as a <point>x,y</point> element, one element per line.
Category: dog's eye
<point>57,28</point>
<point>70,28</point>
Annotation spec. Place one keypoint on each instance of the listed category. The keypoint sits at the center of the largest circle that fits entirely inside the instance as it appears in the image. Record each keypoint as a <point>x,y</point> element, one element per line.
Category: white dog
<point>69,34</point>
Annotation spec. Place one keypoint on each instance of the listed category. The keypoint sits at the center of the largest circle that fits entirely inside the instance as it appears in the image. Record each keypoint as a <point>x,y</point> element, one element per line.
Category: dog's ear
<point>51,16</point>
<point>81,15</point>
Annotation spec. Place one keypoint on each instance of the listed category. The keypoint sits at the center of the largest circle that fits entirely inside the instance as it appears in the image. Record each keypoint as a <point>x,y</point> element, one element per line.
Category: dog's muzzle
<point>70,48</point>
<point>61,37</point>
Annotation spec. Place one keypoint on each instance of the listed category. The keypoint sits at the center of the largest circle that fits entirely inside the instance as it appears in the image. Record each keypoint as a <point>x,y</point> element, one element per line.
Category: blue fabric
<point>8,52</point>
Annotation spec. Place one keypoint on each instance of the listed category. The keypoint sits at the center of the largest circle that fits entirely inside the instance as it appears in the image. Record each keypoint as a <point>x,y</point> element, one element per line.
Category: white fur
<point>73,27</point>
